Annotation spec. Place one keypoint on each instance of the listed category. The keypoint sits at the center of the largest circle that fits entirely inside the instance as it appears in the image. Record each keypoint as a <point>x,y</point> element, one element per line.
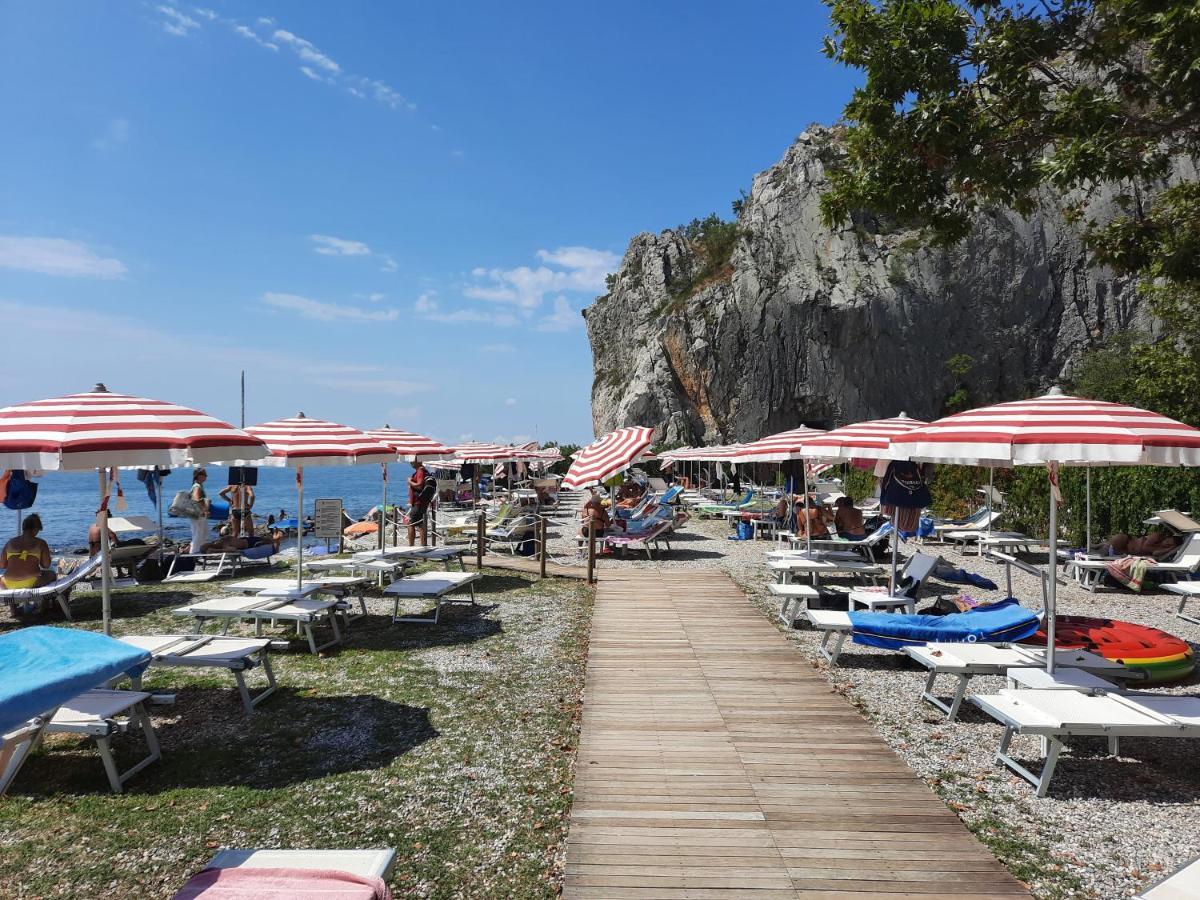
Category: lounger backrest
<point>671,493</point>
<point>1189,552</point>
<point>918,568</point>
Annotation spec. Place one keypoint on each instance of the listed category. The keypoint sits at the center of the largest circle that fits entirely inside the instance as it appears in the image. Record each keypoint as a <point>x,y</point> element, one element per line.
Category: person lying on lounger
<point>1157,545</point>
<point>232,543</point>
<point>26,558</point>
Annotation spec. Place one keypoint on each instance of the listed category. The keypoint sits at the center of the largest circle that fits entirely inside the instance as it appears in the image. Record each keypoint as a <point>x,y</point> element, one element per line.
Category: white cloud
<point>389,264</point>
<point>309,73</point>
<point>115,133</point>
<point>204,13</point>
<point>511,401</point>
<point>428,308</point>
<point>425,303</point>
<point>564,317</point>
<point>308,308</point>
<point>380,91</point>
<point>575,269</point>
<point>56,256</point>
<point>306,51</point>
<point>177,23</point>
<point>265,22</point>
<point>251,35</point>
<point>328,245</point>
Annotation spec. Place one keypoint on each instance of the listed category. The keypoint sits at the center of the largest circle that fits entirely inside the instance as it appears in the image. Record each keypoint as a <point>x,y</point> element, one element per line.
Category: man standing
<point>421,489</point>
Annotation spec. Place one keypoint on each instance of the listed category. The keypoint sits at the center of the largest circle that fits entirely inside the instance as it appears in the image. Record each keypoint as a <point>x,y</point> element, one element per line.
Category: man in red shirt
<point>421,489</point>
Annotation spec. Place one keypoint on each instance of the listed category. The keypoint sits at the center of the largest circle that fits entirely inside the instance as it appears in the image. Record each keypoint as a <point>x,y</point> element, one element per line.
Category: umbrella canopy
<point>478,452</point>
<point>1053,429</point>
<point>716,453</point>
<point>863,440</point>
<point>100,429</point>
<point>777,447</point>
<point>301,441</point>
<point>409,446</point>
<point>602,459</point>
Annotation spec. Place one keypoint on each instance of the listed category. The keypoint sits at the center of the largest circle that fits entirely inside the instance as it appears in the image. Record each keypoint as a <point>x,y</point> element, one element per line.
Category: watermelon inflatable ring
<point>1163,657</point>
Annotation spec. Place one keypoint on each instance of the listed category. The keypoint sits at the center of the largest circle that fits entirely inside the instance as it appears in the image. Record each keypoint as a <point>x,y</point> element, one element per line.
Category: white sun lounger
<point>1187,590</point>
<point>212,565</point>
<point>1182,884</point>
<point>306,614</point>
<point>1090,571</point>
<point>59,591</point>
<point>834,625</point>
<point>100,714</point>
<point>368,863</point>
<point>793,601</point>
<point>237,654</point>
<point>863,547</point>
<point>442,554</point>
<point>430,585</point>
<point>339,586</point>
<point>1057,715</point>
<point>964,661</point>
<point>788,568</point>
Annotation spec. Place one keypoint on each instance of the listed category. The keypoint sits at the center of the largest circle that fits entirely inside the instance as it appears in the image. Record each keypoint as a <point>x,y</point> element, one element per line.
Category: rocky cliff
<point>805,324</point>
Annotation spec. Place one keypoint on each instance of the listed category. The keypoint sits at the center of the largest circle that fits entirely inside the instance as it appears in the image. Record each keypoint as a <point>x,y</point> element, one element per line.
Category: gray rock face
<point>824,327</point>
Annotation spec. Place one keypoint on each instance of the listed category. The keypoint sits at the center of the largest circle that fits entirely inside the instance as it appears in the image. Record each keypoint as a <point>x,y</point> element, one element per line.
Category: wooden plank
<point>715,763</point>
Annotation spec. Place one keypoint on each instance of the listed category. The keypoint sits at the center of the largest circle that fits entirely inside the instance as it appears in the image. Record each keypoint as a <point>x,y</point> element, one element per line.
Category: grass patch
<point>452,743</point>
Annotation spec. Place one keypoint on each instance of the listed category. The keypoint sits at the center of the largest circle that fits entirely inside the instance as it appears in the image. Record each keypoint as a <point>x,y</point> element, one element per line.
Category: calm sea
<point>67,501</point>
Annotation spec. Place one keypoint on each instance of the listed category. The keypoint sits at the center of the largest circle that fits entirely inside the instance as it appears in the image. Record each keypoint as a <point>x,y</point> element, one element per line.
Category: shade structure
<point>408,445</point>
<point>862,440</point>
<point>101,430</point>
<point>480,452</point>
<point>1054,429</point>
<point>604,458</point>
<point>777,447</point>
<point>302,441</point>
<point>865,440</point>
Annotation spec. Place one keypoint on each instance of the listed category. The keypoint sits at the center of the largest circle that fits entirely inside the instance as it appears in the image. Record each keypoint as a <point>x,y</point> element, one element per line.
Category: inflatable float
<point>1006,620</point>
<point>1163,657</point>
<point>360,528</point>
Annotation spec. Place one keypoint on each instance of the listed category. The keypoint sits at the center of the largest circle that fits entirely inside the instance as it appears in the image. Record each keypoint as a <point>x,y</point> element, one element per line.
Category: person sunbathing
<point>26,558</point>
<point>94,537</point>
<point>232,543</point>
<point>848,519</point>
<point>812,519</point>
<point>1156,545</point>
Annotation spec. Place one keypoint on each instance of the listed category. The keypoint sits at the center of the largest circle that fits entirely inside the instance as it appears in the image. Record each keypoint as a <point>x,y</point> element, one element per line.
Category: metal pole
<point>1052,588</point>
<point>158,489</point>
<point>300,529</point>
<point>105,553</point>
<point>542,545</point>
<point>895,549</point>
<point>807,517</point>
<point>431,525</point>
<point>243,425</point>
<point>479,538</point>
<point>383,511</point>
<point>1087,544</point>
<point>591,562</point>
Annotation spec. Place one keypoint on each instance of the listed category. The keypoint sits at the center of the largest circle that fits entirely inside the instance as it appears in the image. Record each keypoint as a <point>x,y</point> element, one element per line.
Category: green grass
<point>453,744</point>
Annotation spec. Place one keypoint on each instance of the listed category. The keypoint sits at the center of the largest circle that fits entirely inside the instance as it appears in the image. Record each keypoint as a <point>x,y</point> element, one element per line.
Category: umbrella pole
<point>105,552</point>
<point>895,549</point>
<point>383,512</point>
<point>300,528</point>
<point>1052,588</point>
<point>807,517</point>
<point>158,489</point>
<point>991,476</point>
<point>1087,544</point>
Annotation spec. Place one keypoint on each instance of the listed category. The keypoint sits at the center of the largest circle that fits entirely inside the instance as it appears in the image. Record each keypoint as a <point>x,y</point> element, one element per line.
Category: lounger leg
<point>104,745</point>
<point>1114,746</point>
<point>64,604</point>
<point>312,641</point>
<point>239,675</point>
<point>928,695</point>
<point>832,654</point>
<point>1040,782</point>
<point>1185,616</point>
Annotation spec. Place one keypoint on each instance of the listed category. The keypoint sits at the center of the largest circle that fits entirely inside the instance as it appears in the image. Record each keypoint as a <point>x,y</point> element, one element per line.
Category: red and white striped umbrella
<point>301,441</point>
<point>408,445</point>
<point>777,447</point>
<point>479,452</point>
<point>716,453</point>
<point>862,440</point>
<point>604,458</point>
<point>100,429</point>
<point>1054,428</point>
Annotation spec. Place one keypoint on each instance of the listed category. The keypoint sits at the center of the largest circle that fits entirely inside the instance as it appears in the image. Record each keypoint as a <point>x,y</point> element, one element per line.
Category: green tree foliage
<point>971,105</point>
<point>713,239</point>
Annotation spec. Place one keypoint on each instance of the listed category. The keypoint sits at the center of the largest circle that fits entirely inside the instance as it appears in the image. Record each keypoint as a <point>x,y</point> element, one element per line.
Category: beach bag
<point>149,569</point>
<point>184,507</point>
<point>21,491</point>
<point>745,531</point>
<point>904,487</point>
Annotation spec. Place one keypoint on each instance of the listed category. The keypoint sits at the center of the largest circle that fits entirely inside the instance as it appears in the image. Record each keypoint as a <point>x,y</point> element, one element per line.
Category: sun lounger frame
<point>273,610</point>
<point>59,591</point>
<point>178,653</point>
<point>102,724</point>
<point>405,588</point>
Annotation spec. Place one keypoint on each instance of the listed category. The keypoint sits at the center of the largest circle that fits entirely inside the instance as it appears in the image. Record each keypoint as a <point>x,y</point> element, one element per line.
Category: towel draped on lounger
<point>282,884</point>
<point>994,623</point>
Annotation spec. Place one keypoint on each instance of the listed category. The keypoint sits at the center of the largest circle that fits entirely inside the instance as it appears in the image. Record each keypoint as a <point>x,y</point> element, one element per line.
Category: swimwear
<point>25,554</point>
<point>19,583</point>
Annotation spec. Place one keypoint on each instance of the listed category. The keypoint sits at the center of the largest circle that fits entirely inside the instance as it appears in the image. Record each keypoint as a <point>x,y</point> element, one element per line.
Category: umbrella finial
<point>100,388</point>
<point>903,415</point>
<point>1055,391</point>
<point>301,415</point>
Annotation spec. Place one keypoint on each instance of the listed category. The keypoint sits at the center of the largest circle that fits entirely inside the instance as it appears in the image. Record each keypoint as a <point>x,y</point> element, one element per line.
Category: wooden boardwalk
<point>528,564</point>
<point>714,762</point>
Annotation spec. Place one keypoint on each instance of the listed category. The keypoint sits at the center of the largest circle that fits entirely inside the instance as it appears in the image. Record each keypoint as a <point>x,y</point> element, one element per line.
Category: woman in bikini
<point>26,558</point>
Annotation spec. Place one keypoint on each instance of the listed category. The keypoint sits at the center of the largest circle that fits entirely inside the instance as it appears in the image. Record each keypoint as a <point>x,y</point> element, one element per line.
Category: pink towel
<point>282,884</point>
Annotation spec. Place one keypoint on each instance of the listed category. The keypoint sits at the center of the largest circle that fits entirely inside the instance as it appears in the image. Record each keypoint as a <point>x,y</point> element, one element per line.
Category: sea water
<point>67,501</point>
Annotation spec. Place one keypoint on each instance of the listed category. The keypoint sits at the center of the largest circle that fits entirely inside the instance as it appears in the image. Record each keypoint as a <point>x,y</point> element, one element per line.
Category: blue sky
<point>380,212</point>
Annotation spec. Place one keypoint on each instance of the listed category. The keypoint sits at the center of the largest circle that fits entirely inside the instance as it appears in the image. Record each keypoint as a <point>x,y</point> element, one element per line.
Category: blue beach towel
<point>42,667</point>
<point>962,576</point>
<point>1003,621</point>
